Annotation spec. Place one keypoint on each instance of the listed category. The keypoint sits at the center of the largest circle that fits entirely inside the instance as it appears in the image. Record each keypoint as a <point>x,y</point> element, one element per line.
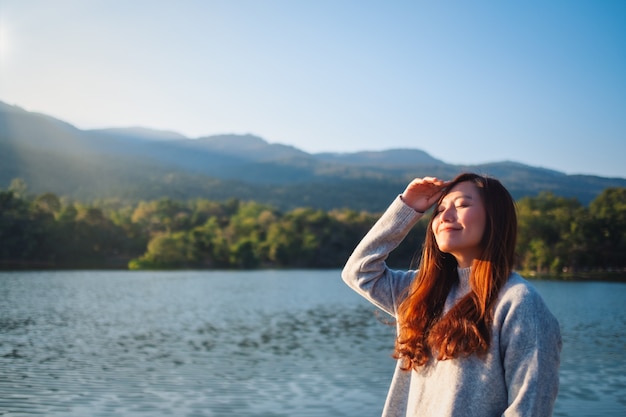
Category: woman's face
<point>459,223</point>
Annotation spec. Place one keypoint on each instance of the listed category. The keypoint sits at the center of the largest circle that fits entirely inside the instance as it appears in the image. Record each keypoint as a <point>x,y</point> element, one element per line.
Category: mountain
<point>140,163</point>
<point>139,133</point>
<point>388,158</point>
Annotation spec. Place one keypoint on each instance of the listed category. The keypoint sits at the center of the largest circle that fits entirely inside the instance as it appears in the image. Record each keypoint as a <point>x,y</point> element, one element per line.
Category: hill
<point>140,163</point>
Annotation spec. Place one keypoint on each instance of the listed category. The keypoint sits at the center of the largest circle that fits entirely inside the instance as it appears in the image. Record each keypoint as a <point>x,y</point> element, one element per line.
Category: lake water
<point>262,343</point>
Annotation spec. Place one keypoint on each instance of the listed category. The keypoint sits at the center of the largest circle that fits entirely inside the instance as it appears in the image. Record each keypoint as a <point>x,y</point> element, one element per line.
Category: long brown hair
<point>424,331</point>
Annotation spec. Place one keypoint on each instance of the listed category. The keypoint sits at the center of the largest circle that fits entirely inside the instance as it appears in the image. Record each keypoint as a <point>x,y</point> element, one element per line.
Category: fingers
<point>421,193</point>
<point>431,182</point>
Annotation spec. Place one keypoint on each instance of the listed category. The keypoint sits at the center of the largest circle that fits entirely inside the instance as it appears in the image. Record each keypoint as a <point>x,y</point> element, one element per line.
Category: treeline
<point>556,234</point>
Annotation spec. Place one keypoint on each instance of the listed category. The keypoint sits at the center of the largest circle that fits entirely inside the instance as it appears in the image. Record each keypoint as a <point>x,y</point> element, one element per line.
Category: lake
<point>255,343</point>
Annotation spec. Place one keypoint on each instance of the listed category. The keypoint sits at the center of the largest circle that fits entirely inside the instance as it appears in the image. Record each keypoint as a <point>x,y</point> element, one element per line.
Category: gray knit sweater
<point>517,377</point>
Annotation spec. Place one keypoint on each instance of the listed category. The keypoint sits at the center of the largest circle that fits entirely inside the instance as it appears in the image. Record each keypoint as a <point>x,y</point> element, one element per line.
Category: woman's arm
<point>366,270</point>
<point>531,345</point>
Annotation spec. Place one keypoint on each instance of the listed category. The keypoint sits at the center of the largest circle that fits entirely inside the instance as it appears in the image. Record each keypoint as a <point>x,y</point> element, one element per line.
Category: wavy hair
<point>425,332</point>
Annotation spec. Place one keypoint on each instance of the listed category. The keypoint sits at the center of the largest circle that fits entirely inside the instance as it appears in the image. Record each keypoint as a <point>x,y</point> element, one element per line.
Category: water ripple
<point>197,344</point>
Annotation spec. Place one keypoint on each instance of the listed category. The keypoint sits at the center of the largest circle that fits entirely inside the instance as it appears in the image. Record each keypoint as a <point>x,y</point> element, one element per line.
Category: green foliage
<point>558,234</point>
<point>608,220</point>
<point>45,231</point>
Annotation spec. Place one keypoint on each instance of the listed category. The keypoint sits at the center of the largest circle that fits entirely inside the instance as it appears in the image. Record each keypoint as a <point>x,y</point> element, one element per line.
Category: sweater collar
<point>464,279</point>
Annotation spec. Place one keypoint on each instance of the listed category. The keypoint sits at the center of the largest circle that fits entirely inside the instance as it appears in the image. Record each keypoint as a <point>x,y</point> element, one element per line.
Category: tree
<point>48,203</point>
<point>20,236</point>
<point>547,230</point>
<point>162,216</point>
<point>164,251</point>
<point>19,187</point>
<point>608,213</point>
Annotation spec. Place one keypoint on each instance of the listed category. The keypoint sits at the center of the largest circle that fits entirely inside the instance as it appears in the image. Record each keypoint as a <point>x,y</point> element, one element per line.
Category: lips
<point>449,229</point>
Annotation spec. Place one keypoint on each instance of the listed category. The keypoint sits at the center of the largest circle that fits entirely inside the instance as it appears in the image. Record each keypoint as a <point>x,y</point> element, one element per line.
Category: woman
<point>474,338</point>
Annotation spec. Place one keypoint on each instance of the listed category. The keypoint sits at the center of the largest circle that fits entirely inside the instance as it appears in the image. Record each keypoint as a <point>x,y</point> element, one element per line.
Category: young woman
<point>474,338</point>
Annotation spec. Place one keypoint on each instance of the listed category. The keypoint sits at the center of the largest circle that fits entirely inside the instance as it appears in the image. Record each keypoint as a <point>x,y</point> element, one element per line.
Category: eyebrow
<point>469,197</point>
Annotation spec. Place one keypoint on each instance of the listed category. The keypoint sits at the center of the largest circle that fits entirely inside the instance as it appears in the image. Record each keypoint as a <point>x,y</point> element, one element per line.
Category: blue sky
<point>537,82</point>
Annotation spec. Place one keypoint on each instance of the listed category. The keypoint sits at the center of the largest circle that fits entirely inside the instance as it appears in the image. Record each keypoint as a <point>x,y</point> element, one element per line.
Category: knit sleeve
<point>366,270</point>
<point>530,344</point>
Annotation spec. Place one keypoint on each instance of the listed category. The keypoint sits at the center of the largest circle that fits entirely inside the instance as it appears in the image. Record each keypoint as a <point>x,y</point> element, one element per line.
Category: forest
<point>557,235</point>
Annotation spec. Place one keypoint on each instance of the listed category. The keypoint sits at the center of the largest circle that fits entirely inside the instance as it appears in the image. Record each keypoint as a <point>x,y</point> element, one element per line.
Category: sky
<point>537,82</point>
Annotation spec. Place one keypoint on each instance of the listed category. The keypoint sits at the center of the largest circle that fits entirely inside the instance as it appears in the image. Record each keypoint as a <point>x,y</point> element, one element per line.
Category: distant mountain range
<point>139,163</point>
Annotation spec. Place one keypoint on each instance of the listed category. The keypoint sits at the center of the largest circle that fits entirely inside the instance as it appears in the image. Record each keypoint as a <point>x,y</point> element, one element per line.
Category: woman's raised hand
<point>422,193</point>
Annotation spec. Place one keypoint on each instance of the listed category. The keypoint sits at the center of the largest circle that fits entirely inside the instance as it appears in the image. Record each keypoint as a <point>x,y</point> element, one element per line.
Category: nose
<point>447,215</point>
